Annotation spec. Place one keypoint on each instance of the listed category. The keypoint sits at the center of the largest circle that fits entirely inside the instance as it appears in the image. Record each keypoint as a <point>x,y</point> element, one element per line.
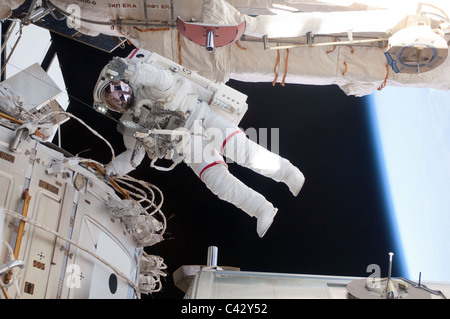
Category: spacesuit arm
<point>128,160</point>
<point>149,75</point>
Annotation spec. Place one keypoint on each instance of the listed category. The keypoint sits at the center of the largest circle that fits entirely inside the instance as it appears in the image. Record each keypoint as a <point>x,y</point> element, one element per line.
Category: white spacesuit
<point>169,116</point>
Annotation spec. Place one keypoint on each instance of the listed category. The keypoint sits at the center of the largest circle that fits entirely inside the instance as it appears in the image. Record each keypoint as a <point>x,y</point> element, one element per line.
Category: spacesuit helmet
<point>117,96</point>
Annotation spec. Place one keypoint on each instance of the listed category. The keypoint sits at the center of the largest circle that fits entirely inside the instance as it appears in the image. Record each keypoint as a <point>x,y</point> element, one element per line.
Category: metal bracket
<point>310,42</point>
<point>211,36</point>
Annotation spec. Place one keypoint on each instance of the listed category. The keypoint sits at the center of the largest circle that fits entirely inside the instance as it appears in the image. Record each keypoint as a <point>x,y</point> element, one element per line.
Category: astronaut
<point>169,116</point>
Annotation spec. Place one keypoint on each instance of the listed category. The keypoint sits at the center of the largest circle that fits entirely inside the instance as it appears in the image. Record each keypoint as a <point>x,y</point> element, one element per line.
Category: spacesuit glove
<point>109,171</point>
<point>119,69</point>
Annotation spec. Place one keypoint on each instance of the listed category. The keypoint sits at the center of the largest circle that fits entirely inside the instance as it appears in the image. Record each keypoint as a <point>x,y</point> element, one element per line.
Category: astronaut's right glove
<point>119,69</point>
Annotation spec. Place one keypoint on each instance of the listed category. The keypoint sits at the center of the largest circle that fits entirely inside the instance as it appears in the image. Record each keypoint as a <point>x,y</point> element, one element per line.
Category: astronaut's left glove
<point>109,171</point>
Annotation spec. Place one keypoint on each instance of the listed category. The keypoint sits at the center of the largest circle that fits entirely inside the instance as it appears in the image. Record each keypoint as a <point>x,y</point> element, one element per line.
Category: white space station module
<point>360,46</point>
<point>219,282</point>
<point>65,231</point>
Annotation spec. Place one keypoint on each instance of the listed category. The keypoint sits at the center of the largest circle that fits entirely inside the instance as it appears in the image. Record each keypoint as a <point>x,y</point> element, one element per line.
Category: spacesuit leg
<point>247,153</point>
<point>211,168</point>
<point>234,144</point>
<point>223,184</point>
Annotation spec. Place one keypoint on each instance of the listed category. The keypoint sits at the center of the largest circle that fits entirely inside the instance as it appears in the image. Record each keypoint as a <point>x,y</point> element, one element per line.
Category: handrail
<point>26,204</point>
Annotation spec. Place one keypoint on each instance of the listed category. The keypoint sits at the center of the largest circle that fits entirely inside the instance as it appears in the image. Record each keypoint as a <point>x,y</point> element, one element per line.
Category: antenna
<point>391,291</point>
<point>212,256</point>
<point>400,288</point>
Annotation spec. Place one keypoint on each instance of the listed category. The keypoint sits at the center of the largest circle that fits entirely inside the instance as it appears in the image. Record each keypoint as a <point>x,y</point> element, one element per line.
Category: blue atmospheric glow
<point>411,132</point>
<point>388,200</point>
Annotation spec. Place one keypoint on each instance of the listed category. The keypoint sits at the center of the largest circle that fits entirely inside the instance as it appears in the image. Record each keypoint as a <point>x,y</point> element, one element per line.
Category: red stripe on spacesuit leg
<point>209,166</point>
<point>228,138</point>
